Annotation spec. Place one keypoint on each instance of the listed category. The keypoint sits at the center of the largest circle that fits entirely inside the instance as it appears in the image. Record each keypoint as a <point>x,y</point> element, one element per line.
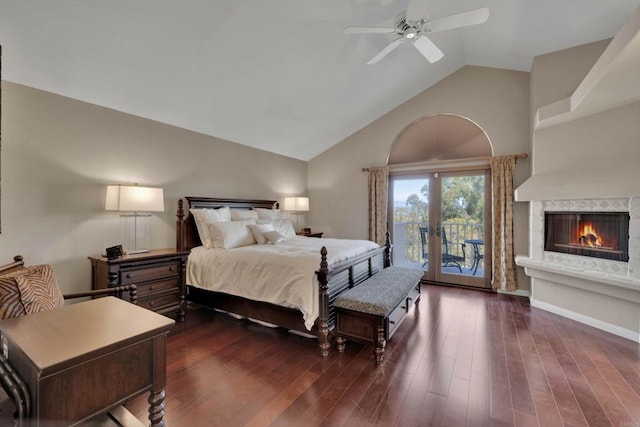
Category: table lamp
<point>296,205</point>
<point>136,199</point>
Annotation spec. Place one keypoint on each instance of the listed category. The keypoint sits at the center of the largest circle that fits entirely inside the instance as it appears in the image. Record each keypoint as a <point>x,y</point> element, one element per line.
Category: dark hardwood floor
<point>463,358</point>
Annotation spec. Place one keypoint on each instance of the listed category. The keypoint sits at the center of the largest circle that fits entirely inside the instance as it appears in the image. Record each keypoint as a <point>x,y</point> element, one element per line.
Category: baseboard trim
<point>590,321</point>
<point>517,292</point>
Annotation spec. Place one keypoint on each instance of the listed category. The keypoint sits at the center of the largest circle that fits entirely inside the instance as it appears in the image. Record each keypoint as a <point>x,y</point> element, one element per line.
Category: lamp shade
<point>134,198</point>
<point>296,204</point>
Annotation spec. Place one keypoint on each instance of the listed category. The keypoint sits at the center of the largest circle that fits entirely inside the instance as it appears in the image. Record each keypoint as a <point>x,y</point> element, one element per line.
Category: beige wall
<point>59,154</point>
<point>587,158</point>
<point>593,156</point>
<point>497,100</point>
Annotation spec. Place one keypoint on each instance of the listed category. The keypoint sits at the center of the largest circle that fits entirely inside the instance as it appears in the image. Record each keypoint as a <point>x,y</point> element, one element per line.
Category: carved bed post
<point>387,250</point>
<point>323,301</point>
<point>179,227</point>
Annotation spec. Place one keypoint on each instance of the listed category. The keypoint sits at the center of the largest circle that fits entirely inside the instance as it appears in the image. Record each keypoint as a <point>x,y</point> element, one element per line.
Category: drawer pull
<point>152,303</point>
<point>129,275</point>
<point>172,268</point>
<point>151,287</point>
<point>409,300</point>
<point>392,322</point>
<point>403,307</point>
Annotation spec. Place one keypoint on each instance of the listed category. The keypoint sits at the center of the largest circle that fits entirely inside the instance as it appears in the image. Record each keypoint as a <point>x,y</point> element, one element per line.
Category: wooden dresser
<point>159,276</point>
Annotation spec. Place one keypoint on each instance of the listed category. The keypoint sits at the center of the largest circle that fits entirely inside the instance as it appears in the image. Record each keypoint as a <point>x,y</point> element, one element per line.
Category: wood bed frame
<point>333,280</point>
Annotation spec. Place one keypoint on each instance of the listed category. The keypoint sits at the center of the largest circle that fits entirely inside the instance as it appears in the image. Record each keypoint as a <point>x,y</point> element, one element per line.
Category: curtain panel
<point>378,201</point>
<point>504,267</point>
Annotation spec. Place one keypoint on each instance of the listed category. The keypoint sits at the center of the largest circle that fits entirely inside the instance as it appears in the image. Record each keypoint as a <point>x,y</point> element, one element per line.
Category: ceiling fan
<point>413,26</point>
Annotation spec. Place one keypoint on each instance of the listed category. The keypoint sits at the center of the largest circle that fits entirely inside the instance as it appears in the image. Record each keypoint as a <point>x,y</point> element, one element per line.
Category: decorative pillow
<point>39,289</point>
<point>29,290</point>
<point>284,227</point>
<point>10,304</point>
<point>243,214</point>
<point>258,230</point>
<point>232,234</point>
<point>274,237</point>
<point>206,216</point>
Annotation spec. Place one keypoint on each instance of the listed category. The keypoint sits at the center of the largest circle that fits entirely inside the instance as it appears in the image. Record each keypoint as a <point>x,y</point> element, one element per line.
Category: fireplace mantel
<point>561,185</point>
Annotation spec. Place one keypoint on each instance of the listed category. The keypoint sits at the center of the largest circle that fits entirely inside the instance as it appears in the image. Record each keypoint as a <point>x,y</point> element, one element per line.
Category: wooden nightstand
<point>318,235</point>
<point>159,276</point>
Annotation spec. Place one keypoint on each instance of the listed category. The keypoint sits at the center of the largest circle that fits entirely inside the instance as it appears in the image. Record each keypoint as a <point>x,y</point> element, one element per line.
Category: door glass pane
<point>462,226</point>
<point>410,216</point>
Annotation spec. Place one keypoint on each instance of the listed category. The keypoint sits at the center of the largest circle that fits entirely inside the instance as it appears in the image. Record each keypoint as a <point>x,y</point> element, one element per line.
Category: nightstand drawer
<point>139,275</point>
<point>159,301</point>
<point>159,286</point>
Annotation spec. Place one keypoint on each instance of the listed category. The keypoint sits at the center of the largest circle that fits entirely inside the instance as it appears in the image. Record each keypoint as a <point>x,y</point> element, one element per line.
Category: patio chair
<point>424,244</point>
<point>450,259</point>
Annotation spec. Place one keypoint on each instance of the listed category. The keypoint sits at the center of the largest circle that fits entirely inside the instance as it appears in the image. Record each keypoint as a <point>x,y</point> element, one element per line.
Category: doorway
<point>441,223</point>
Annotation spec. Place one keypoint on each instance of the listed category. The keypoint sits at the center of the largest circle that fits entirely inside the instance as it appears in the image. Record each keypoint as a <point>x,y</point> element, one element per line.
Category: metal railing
<point>408,247</point>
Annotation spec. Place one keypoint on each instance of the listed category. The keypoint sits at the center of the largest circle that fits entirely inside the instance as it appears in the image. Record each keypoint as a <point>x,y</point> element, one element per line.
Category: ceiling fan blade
<point>416,9</point>
<point>463,19</point>
<point>366,30</point>
<point>428,49</point>
<point>385,51</point>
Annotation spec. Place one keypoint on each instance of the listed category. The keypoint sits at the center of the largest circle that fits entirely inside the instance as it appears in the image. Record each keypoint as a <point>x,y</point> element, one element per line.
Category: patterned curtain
<point>504,267</point>
<point>378,200</point>
<point>0,135</point>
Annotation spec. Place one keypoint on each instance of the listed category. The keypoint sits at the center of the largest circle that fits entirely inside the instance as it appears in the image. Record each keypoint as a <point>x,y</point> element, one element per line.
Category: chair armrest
<point>16,389</point>
<point>116,291</point>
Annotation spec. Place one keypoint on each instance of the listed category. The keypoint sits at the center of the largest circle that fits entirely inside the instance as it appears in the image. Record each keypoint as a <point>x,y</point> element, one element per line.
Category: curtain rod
<point>516,156</point>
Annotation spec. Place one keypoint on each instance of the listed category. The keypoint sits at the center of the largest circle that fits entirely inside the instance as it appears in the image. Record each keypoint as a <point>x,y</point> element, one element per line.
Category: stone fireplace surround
<point>601,293</point>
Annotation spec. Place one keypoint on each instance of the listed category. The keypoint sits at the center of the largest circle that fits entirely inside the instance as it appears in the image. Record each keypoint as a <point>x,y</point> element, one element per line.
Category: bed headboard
<point>187,236</point>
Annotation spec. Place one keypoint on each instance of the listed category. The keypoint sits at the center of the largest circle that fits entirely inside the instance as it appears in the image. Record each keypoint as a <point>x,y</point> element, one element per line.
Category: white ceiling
<point>279,75</point>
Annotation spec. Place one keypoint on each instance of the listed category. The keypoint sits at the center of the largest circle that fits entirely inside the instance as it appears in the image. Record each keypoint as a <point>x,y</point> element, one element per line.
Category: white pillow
<point>205,216</point>
<point>242,214</point>
<point>232,234</point>
<point>270,213</point>
<point>258,230</point>
<point>284,227</point>
<point>274,237</point>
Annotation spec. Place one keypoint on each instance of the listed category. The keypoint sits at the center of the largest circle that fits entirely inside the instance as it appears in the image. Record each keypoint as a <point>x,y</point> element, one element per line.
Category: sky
<point>402,189</point>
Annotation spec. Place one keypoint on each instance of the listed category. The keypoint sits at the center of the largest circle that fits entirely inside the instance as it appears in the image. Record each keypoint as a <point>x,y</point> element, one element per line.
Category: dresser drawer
<point>159,286</point>
<point>158,302</point>
<point>141,274</point>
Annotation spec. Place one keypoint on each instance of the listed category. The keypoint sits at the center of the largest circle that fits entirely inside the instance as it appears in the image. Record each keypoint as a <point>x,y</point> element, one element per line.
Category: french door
<point>441,223</point>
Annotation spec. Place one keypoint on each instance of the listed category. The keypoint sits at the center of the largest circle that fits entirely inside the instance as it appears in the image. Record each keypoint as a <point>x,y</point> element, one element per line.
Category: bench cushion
<point>382,292</point>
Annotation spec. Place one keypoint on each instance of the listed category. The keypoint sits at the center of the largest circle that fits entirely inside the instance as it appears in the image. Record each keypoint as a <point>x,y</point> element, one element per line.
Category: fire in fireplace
<point>595,234</point>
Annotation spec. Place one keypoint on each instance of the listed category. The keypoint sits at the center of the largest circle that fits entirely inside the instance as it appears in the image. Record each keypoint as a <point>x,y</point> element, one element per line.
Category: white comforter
<point>282,274</point>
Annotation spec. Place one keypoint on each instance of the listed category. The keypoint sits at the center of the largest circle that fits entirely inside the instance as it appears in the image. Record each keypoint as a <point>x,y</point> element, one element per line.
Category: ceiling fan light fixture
<point>414,25</point>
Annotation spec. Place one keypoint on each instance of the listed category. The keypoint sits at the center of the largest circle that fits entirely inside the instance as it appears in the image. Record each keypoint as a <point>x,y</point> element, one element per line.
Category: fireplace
<point>602,235</point>
<point>584,261</point>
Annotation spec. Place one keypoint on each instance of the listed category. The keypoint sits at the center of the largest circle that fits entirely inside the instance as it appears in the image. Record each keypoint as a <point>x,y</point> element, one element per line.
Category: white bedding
<point>282,274</point>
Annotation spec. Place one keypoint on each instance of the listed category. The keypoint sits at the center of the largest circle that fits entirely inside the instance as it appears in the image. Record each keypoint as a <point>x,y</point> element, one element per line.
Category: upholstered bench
<point>372,311</point>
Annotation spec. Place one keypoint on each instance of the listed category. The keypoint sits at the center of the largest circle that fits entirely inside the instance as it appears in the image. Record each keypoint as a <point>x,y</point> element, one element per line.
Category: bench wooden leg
<point>379,342</point>
<point>340,344</point>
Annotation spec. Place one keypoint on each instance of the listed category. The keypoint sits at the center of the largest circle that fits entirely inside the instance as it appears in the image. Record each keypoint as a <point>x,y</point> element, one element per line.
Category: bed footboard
<point>340,278</point>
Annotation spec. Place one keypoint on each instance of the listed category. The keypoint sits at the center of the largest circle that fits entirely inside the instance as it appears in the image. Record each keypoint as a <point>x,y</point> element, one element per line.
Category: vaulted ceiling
<point>278,75</point>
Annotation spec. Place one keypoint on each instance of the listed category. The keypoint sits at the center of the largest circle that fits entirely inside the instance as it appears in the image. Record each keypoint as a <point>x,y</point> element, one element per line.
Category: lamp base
<point>137,251</point>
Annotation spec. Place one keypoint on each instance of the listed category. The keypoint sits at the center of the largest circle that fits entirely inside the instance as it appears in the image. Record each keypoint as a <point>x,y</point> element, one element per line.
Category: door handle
<point>438,227</point>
